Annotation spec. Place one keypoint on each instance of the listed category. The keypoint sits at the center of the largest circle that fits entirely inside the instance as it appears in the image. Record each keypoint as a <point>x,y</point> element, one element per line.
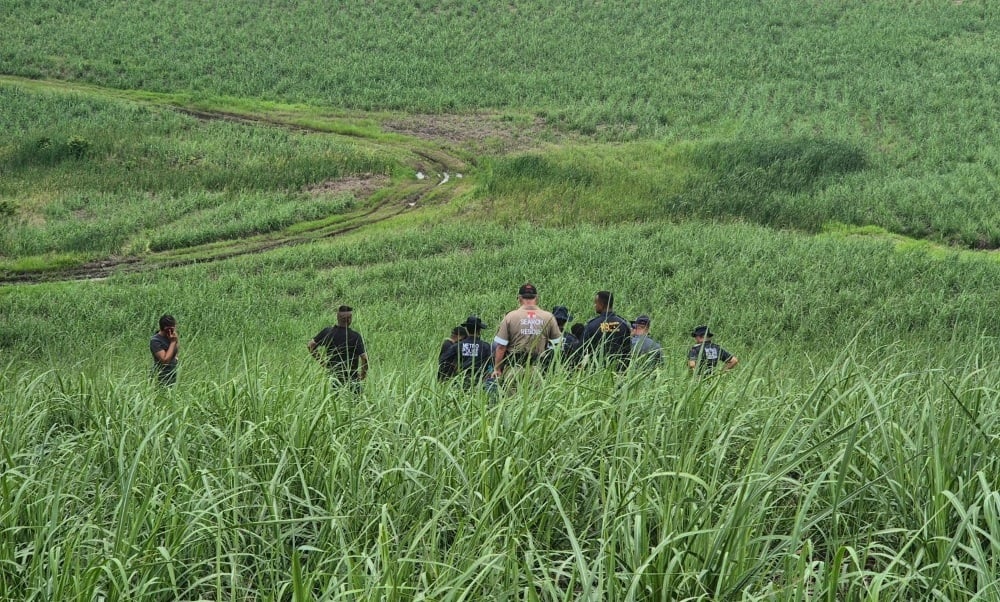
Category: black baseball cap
<point>474,324</point>
<point>561,313</point>
<point>345,309</point>
<point>528,291</point>
<point>642,320</point>
<point>702,331</point>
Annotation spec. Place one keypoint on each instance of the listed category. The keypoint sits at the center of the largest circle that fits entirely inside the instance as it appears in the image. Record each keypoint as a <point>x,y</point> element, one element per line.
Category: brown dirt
<point>360,187</point>
<point>477,131</point>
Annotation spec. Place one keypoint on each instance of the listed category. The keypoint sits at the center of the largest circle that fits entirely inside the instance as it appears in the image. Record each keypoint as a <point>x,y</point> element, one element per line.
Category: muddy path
<point>433,170</point>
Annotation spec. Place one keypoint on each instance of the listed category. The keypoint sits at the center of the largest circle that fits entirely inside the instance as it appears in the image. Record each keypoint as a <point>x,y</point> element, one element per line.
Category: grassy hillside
<point>94,177</point>
<point>788,114</point>
<point>815,181</point>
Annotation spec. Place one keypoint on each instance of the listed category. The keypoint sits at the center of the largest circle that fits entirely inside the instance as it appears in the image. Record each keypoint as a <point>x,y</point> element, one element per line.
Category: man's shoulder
<point>512,314</point>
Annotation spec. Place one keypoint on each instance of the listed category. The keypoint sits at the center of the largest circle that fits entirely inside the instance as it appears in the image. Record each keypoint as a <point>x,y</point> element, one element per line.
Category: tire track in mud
<point>408,196</point>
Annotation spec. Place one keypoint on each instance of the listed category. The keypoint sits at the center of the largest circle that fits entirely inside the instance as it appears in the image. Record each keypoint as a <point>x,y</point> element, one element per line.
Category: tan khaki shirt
<point>528,330</point>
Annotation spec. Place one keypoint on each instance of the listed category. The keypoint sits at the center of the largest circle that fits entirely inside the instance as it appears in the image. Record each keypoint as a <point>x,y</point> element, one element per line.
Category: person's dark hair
<point>344,308</point>
<point>577,330</point>
<point>167,321</point>
<point>607,298</point>
<point>459,331</point>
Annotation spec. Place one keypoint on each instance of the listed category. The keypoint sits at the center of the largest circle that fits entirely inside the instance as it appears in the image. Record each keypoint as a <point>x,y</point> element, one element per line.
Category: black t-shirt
<point>708,355</point>
<point>610,335</point>
<point>447,364</point>
<point>166,373</point>
<point>344,348</point>
<point>472,355</point>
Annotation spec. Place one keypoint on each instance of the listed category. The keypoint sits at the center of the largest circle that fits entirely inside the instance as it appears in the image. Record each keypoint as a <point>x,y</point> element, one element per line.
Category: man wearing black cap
<point>607,337</point>
<point>706,355</point>
<point>471,354</point>
<point>345,355</point>
<point>644,349</point>
<point>525,333</point>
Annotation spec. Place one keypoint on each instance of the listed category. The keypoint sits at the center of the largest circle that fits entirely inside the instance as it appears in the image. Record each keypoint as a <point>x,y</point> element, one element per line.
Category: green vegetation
<point>813,180</point>
<point>909,89</point>
<point>97,177</point>
<point>849,454</point>
<point>877,482</point>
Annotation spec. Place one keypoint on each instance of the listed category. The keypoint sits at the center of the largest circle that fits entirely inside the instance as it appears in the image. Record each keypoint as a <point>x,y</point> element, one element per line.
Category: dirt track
<point>405,196</point>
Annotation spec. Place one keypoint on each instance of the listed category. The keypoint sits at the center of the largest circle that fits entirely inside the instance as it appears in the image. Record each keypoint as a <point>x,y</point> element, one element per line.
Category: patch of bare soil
<point>481,132</point>
<point>361,187</point>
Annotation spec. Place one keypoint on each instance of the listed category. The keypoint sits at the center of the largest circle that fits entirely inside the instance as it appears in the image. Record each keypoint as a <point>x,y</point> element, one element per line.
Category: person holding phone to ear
<point>163,346</point>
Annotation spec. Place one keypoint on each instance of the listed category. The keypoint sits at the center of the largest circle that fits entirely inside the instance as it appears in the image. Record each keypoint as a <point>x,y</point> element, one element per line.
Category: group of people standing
<point>533,337</point>
<point>528,338</point>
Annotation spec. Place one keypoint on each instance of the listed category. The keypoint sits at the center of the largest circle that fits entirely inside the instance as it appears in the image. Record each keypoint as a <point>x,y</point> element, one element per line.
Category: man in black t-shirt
<point>472,354</point>
<point>164,346</point>
<point>607,337</point>
<point>345,355</point>
<point>706,355</point>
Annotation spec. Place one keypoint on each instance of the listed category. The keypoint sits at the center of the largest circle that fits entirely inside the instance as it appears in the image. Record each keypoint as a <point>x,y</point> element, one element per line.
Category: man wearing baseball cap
<point>706,355</point>
<point>645,350</point>
<point>525,333</point>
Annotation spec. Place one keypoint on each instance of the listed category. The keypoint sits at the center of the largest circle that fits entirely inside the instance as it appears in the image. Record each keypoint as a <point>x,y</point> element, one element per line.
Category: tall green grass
<point>861,480</point>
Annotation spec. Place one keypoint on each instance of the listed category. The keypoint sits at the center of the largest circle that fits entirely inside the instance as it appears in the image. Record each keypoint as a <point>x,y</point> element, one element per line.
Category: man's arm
<point>554,335</point>
<point>502,339</point>
<point>313,350</point>
<point>363,370</point>
<point>498,356</point>
<point>165,356</point>
<point>731,362</point>
<point>588,340</point>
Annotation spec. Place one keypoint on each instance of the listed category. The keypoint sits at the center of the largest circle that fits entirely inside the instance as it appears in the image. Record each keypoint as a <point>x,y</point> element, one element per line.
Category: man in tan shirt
<point>525,333</point>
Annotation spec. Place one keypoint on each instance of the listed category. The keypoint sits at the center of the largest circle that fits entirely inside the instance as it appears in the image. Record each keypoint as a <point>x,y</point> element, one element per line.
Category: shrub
<point>77,146</point>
